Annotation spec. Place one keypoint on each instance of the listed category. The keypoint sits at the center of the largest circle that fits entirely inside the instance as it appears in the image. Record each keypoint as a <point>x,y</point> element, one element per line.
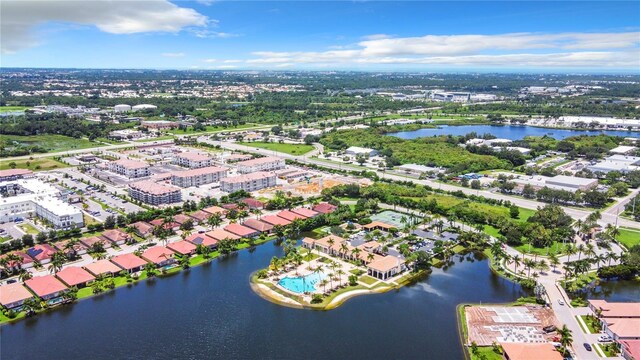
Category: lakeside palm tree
<point>324,283</point>
<point>580,249</point>
<point>340,272</point>
<point>516,262</point>
<point>612,256</point>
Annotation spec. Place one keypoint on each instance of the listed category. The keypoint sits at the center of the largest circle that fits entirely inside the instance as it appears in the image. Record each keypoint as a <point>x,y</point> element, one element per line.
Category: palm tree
<point>554,261</point>
<point>57,261</point>
<point>370,257</point>
<point>570,250</point>
<point>214,220</point>
<point>24,275</point>
<point>340,272</point>
<point>611,256</point>
<point>580,249</point>
<point>257,212</point>
<point>566,339</point>
<point>344,249</point>
<point>516,262</point>
<point>355,253</point>
<point>324,283</point>
<point>528,264</point>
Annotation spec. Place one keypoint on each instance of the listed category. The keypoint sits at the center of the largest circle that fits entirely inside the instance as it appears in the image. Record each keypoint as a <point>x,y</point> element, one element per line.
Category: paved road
<point>607,217</point>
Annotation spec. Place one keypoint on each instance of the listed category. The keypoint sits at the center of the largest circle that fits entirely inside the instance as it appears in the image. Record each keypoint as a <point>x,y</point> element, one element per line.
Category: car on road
<point>587,346</point>
<point>605,338</point>
<point>560,302</point>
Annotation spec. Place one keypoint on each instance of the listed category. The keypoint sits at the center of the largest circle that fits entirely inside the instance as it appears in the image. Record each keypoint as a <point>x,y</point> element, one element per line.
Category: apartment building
<point>269,163</point>
<point>249,182</point>
<point>153,193</point>
<point>197,177</point>
<point>130,168</point>
<point>192,160</point>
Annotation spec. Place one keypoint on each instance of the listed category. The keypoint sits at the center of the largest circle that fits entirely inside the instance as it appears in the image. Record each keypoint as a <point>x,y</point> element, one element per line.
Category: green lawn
<point>29,229</point>
<point>12,108</point>
<point>555,248</point>
<point>368,280</point>
<point>592,329</point>
<point>35,164</point>
<point>211,129</point>
<point>485,353</point>
<point>629,237</point>
<point>52,143</point>
<point>292,149</point>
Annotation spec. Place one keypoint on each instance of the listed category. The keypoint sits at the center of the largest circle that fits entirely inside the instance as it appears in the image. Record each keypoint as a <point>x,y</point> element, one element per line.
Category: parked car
<point>560,302</point>
<point>550,328</point>
<point>587,346</point>
<point>605,338</point>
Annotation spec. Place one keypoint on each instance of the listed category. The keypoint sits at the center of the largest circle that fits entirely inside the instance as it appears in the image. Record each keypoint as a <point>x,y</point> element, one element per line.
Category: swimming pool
<point>301,284</point>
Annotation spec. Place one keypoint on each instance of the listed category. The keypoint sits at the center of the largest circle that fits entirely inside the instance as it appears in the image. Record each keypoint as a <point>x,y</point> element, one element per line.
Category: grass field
<point>29,229</point>
<point>35,164</point>
<point>211,129</point>
<point>293,149</point>
<point>52,143</point>
<point>12,108</point>
<point>629,237</point>
<point>166,137</point>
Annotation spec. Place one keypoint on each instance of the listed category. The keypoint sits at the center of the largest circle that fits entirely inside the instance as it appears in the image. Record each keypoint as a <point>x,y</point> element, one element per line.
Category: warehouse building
<point>355,151</point>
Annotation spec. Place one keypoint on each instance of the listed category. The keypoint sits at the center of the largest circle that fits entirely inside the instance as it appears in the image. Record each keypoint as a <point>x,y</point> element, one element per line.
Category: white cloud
<point>19,18</point>
<point>509,50</point>
<point>205,33</point>
<point>205,2</point>
<point>178,54</point>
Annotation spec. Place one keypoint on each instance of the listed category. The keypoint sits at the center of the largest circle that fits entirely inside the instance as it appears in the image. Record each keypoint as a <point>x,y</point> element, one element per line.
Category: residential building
<point>630,349</point>
<point>324,208</point>
<point>528,351</point>
<point>154,193</point>
<point>77,248</point>
<point>220,234</point>
<point>129,262</point>
<point>275,220</point>
<point>183,247</point>
<point>143,229</point>
<point>241,231</point>
<point>89,242</point>
<point>258,225</point>
<point>307,213</point>
<point>202,239</point>
<point>192,160</point>
<point>42,253</point>
<point>249,182</point>
<point>46,287</point>
<point>269,163</point>
<point>15,174</point>
<point>117,236</point>
<point>290,215</point>
<point>130,168</point>
<point>159,255</point>
<point>199,176</point>
<point>103,267</point>
<point>75,276</point>
<point>13,295</point>
<point>385,267</point>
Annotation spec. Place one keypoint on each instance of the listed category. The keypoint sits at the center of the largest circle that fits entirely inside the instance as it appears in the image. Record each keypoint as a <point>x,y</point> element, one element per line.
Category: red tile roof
<point>78,247</point>
<point>258,225</point>
<point>290,215</point>
<point>275,220</point>
<point>128,261</point>
<point>96,239</point>
<point>242,231</point>
<point>522,351</point>
<point>45,285</point>
<point>41,252</point>
<point>220,235</point>
<point>14,172</point>
<point>202,239</point>
<point>200,216</point>
<point>13,293</point>
<point>305,212</point>
<point>215,210</point>
<point>116,235</point>
<point>182,247</point>
<point>73,276</point>
<point>181,218</point>
<point>253,203</point>
<point>158,254</point>
<point>26,259</point>
<point>142,227</point>
<point>325,208</point>
<point>102,267</point>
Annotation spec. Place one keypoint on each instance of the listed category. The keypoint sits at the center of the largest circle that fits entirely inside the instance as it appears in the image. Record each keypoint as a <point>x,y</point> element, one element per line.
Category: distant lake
<point>211,312</point>
<point>510,132</point>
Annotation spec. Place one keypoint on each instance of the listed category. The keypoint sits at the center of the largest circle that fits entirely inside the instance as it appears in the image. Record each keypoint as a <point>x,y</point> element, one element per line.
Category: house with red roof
<point>46,287</point>
<point>159,255</point>
<point>215,210</point>
<point>90,241</point>
<point>172,225</point>
<point>308,213</point>
<point>183,247</point>
<point>42,253</point>
<point>200,217</point>
<point>202,239</point>
<point>75,276</point>
<point>143,228</point>
<point>129,262</point>
<point>275,220</point>
<point>290,215</point>
<point>103,267</point>
<point>78,248</point>
<point>324,208</point>
<point>258,225</point>
<point>242,231</point>
<point>181,218</point>
<point>117,236</point>
<point>25,262</point>
<point>220,234</point>
<point>253,203</point>
<point>13,295</point>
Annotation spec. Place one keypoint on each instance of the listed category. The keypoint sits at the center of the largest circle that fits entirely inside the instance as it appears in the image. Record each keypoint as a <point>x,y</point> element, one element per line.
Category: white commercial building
<point>623,150</point>
<point>249,182</point>
<point>192,160</point>
<point>619,163</point>
<point>143,107</point>
<point>197,177</point>
<point>417,170</point>
<point>28,197</point>
<point>559,182</point>
<point>120,108</point>
<point>130,168</point>
<point>355,151</point>
<point>269,163</point>
<point>153,193</point>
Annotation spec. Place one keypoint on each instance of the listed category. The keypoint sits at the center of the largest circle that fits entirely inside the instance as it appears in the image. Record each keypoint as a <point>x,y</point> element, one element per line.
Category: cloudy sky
<point>330,35</point>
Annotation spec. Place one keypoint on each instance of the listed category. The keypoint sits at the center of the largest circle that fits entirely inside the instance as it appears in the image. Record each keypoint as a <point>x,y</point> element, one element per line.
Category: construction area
<point>521,324</point>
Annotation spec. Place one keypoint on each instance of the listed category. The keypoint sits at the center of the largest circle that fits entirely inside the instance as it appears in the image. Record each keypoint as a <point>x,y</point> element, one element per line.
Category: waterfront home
<point>200,217</point>
<point>630,349</point>
<point>171,225</point>
<point>202,239</point>
<point>117,236</point>
<point>527,351</point>
<point>129,262</point>
<point>25,261</point>
<point>307,213</point>
<point>275,220</point>
<point>75,276</point>
<point>78,248</point>
<point>241,231</point>
<point>103,267</point>
<point>159,255</point>
<point>378,225</point>
<point>620,320</point>
<point>290,215</point>
<point>42,253</point>
<point>46,287</point>
<point>143,228</point>
<point>211,210</point>
<point>258,225</point>
<point>90,241</point>
<point>183,247</point>
<point>220,234</point>
<point>385,267</point>
<point>13,295</point>
<point>324,208</point>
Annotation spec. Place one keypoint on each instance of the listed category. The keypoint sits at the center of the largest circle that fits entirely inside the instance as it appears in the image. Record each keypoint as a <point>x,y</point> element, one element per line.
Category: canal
<point>211,312</point>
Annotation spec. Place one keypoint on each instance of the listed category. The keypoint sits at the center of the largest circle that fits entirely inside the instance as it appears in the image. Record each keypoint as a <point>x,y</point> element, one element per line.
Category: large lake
<point>507,132</point>
<point>211,312</point>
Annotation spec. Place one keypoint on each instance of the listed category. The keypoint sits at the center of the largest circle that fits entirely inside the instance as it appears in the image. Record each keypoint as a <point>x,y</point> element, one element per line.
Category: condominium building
<point>249,182</point>
<point>197,177</point>
<point>269,163</point>
<point>192,160</point>
<point>58,213</point>
<point>130,168</point>
<point>15,174</point>
<point>153,193</point>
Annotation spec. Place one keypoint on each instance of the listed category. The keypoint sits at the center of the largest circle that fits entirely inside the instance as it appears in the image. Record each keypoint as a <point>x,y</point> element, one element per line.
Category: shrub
<point>316,299</point>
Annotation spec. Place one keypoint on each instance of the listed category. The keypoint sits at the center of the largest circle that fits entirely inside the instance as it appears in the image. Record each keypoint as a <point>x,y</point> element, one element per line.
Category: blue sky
<point>329,35</point>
